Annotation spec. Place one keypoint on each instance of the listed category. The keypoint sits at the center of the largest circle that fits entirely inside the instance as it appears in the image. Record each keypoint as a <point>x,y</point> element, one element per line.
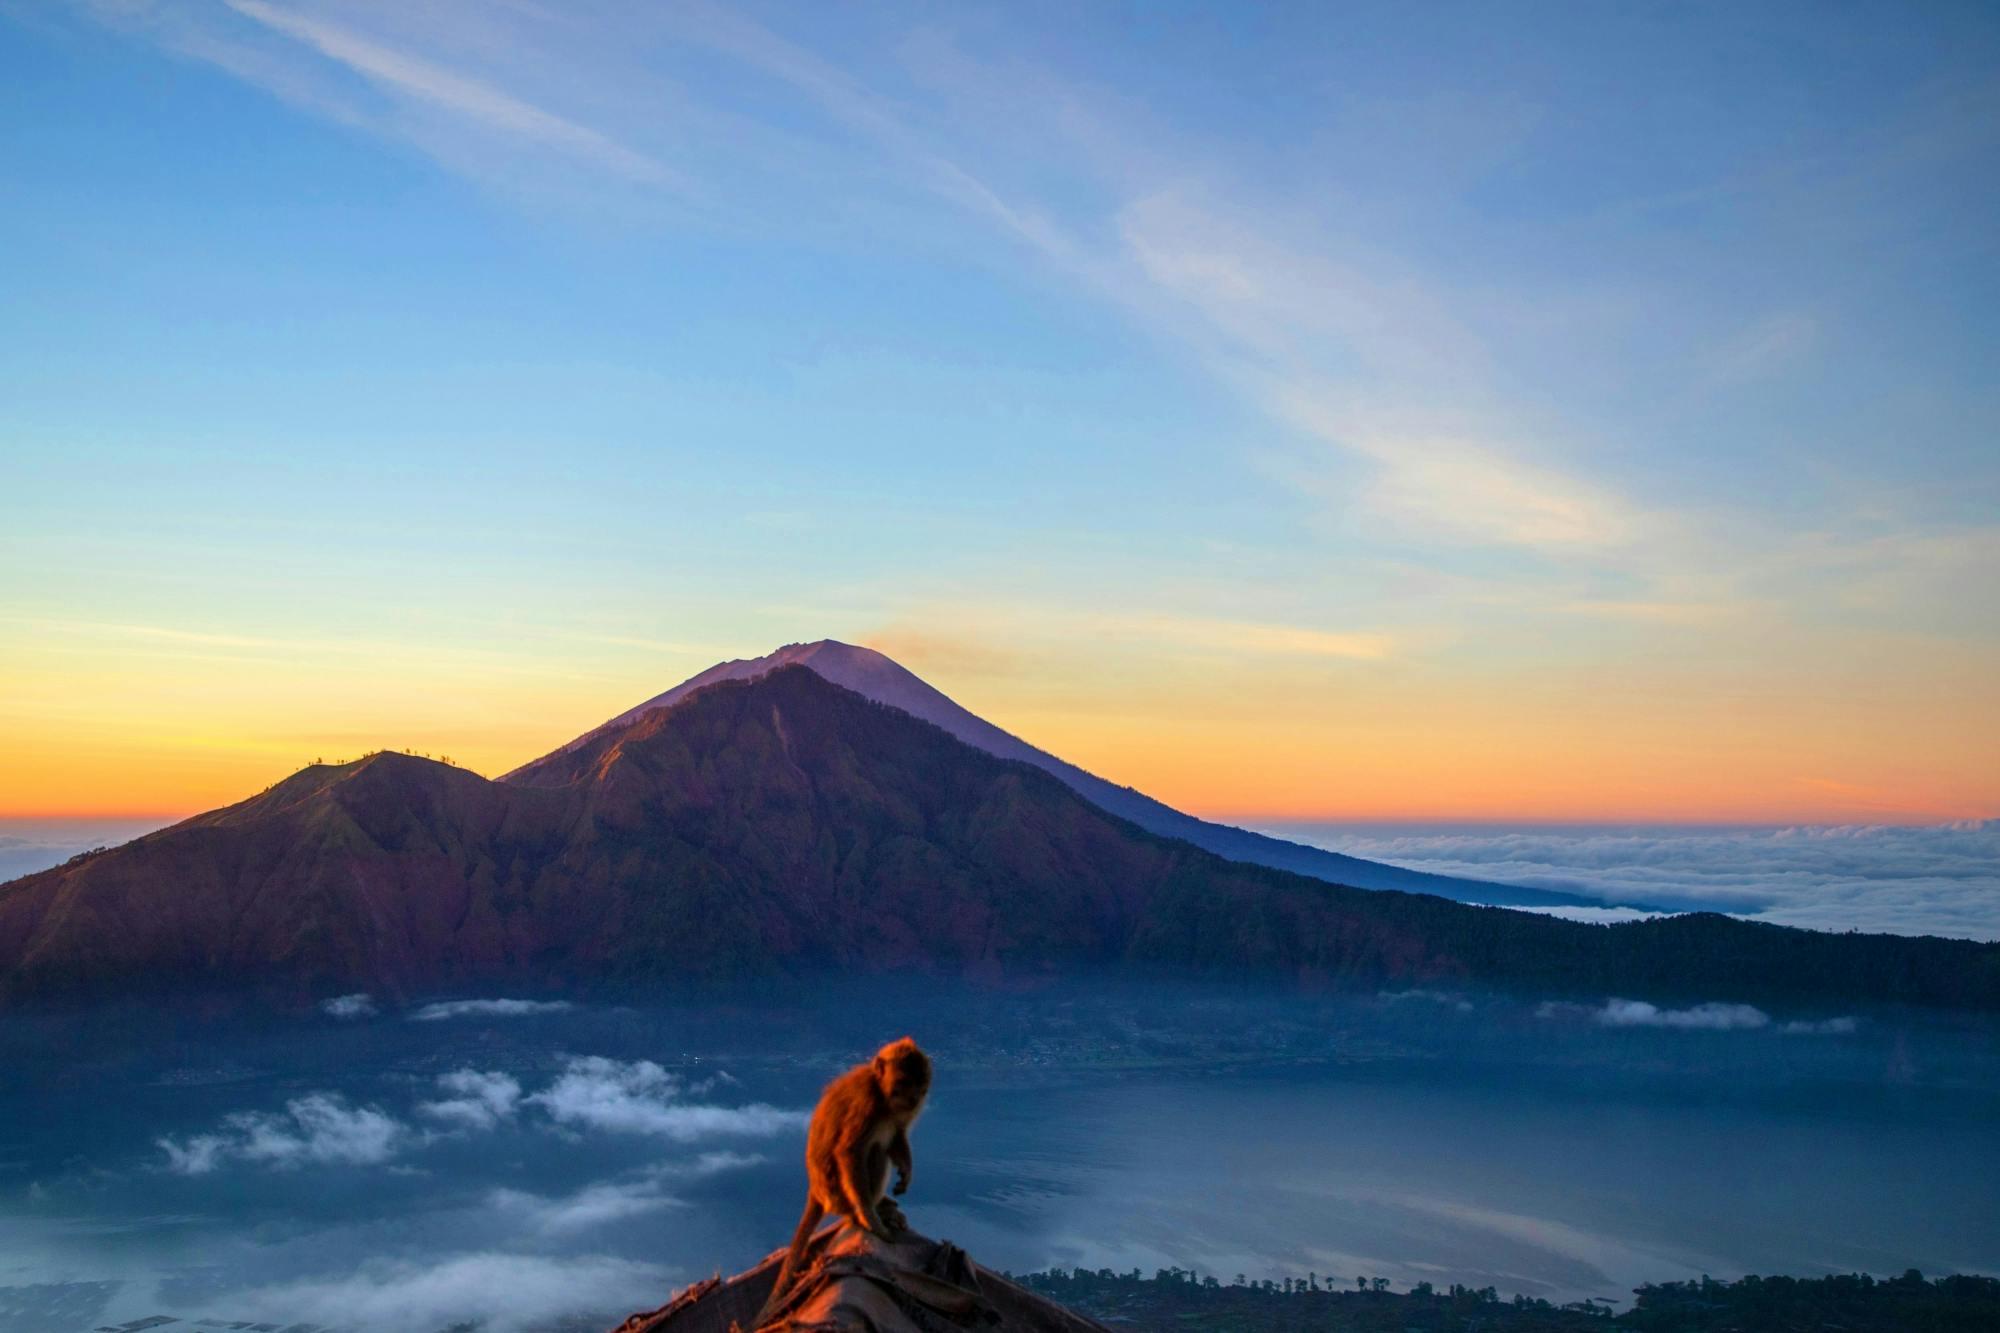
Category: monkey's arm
<point>899,1156</point>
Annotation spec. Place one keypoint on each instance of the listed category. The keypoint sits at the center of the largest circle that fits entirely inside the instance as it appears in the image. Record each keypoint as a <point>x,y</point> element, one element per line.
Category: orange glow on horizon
<point>1810,737</point>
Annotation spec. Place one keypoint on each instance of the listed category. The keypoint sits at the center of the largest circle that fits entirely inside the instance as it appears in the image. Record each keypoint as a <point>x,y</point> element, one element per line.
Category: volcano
<point>876,676</point>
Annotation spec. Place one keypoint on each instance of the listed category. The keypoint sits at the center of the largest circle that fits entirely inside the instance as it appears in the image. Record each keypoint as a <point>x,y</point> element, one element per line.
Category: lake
<point>411,1167</point>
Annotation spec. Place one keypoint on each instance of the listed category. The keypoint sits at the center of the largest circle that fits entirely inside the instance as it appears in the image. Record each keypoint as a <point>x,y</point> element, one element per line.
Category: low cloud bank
<point>443,1009</point>
<point>497,1293</point>
<point>320,1128</point>
<point>591,1093</point>
<point>1714,1016</point>
<point>1941,879</point>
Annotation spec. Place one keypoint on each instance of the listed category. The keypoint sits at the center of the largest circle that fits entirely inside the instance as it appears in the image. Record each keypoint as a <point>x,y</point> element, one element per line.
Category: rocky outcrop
<point>853,1282</point>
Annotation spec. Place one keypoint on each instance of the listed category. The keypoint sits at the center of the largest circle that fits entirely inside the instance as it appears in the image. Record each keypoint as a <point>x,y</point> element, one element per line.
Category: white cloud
<point>1445,998</point>
<point>1941,879</point>
<point>195,1156</point>
<point>1824,1027</point>
<point>498,1293</point>
<point>1373,362</point>
<point>483,1100</point>
<point>613,1200</point>
<point>591,1206</point>
<point>639,1097</point>
<point>1711,1017</point>
<point>1714,1016</point>
<point>319,1128</point>
<point>713,1163</point>
<point>591,1093</point>
<point>357,1005</point>
<point>443,1009</point>
<point>431,83</point>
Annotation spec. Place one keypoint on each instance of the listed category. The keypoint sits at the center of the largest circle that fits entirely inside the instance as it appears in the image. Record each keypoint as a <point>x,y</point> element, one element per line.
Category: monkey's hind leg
<point>862,1175</point>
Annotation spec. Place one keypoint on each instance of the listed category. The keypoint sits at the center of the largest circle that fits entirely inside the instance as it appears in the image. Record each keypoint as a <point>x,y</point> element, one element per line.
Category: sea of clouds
<point>1939,879</point>
<point>28,845</point>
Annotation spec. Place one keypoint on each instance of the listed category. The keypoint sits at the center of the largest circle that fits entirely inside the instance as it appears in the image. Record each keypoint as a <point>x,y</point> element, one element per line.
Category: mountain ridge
<point>785,827</point>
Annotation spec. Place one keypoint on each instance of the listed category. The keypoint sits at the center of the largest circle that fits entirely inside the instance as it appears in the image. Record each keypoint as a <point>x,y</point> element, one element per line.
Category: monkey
<point>859,1130</point>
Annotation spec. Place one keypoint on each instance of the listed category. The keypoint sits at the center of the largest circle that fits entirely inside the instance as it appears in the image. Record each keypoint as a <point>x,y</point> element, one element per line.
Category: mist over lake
<point>524,1162</point>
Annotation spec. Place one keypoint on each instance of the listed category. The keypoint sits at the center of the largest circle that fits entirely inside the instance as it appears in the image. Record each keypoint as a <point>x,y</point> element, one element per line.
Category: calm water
<point>396,1172</point>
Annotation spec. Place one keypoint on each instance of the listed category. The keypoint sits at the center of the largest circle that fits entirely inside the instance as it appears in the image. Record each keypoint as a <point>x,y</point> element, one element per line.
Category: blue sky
<point>1539,410</point>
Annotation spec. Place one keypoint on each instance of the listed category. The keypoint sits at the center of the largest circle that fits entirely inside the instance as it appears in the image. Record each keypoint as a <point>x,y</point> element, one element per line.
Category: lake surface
<point>407,1168</point>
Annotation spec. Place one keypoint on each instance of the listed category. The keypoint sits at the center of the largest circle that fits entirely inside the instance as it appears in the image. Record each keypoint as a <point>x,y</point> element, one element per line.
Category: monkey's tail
<point>808,1222</point>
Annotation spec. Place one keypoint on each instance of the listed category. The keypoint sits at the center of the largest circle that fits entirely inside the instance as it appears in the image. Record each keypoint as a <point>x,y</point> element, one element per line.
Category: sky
<point>1300,412</point>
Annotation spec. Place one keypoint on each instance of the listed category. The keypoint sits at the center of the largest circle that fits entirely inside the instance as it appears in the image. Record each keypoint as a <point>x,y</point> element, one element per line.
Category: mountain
<point>782,827</point>
<point>874,676</point>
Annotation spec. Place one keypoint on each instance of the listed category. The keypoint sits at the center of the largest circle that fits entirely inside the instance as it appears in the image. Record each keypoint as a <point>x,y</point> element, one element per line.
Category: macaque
<point>860,1129</point>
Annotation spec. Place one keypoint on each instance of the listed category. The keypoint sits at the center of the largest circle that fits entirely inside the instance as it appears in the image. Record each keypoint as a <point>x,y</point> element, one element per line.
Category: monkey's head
<point>903,1072</point>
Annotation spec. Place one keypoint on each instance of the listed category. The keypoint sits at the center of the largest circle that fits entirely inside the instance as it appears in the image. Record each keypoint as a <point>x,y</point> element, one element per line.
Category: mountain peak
<point>841,663</point>
<point>875,676</point>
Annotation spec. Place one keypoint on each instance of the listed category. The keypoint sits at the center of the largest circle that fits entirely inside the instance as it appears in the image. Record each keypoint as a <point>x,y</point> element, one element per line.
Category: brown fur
<point>860,1129</point>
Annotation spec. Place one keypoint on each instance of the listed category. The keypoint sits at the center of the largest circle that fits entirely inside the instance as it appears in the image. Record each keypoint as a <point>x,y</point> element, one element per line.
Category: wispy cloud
<point>1239,636</point>
<point>1768,346</point>
<point>1381,374</point>
<point>591,1206</point>
<point>429,82</point>
<point>499,1292</point>
<point>607,1201</point>
<point>443,1010</point>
